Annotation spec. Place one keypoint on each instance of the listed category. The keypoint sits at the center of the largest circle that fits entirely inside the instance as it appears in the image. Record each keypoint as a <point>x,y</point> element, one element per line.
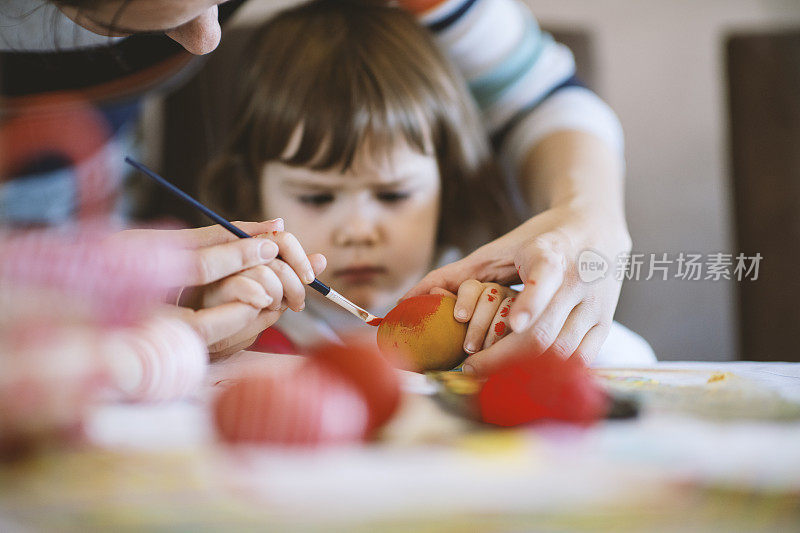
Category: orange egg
<point>423,331</point>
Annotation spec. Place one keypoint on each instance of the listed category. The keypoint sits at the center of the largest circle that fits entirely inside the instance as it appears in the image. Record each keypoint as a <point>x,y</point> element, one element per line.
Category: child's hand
<point>269,289</point>
<point>559,312</point>
<point>486,307</point>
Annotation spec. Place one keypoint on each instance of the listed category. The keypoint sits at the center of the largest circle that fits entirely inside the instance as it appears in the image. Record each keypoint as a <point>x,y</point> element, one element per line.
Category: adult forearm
<point>572,168</point>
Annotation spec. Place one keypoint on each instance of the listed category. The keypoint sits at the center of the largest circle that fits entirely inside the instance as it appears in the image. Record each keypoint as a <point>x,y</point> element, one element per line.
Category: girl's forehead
<point>405,168</point>
<point>393,161</point>
<point>397,161</point>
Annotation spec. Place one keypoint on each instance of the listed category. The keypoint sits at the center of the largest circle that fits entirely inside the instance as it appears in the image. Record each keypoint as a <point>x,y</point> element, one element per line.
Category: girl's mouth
<point>360,273</point>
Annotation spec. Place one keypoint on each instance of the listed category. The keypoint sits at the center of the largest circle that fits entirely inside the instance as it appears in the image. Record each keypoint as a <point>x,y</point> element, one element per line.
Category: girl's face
<point>376,223</point>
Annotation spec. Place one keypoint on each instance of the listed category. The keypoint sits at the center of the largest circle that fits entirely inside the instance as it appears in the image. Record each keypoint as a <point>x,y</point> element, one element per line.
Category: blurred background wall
<point>661,66</point>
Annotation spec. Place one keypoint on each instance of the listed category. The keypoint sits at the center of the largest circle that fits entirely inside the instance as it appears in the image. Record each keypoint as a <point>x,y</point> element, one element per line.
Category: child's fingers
<point>482,317</point>
<point>270,284</point>
<point>273,285</point>
<point>219,322</point>
<point>245,337</point>
<point>318,262</point>
<point>542,279</point>
<point>292,254</point>
<point>499,327</point>
<point>468,295</point>
<point>238,288</point>
<point>443,292</point>
<point>294,291</point>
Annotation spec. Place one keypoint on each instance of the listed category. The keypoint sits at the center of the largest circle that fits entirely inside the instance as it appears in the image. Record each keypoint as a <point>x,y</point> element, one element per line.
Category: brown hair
<point>348,70</point>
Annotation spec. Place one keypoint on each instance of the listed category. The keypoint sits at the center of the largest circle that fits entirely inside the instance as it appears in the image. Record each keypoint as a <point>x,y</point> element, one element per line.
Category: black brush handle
<point>317,285</point>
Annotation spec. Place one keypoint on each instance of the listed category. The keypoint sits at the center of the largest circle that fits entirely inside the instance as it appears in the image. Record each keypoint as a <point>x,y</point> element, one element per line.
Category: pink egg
<point>162,360</point>
<point>310,407</point>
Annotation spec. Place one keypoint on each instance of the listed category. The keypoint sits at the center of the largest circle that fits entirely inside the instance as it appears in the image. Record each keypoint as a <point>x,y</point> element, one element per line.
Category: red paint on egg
<point>375,321</point>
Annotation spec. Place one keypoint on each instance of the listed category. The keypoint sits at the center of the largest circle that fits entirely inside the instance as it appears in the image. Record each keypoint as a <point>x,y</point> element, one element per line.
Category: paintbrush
<point>317,285</point>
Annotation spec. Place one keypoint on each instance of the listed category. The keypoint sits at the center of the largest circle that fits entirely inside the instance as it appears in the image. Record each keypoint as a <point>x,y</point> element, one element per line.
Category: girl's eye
<point>391,197</point>
<point>316,200</point>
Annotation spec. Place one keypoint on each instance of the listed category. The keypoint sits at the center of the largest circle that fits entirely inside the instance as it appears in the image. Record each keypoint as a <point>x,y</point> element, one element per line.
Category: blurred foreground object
<point>60,161</point>
<point>80,314</point>
<point>542,388</point>
<point>342,394</point>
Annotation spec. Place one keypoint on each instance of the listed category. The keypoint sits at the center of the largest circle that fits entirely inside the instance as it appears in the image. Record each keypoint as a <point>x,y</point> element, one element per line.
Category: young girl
<point>355,130</point>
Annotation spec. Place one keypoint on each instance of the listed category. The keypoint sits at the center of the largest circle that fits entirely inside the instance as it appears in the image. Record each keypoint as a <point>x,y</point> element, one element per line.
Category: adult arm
<point>565,146</point>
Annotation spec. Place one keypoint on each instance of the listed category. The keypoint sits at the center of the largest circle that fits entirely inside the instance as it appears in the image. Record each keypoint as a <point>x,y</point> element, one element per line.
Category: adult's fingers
<point>213,263</point>
<point>469,293</point>
<point>448,277</point>
<point>200,237</point>
<point>578,324</point>
<point>486,361</point>
<point>530,343</point>
<point>213,235</point>
<point>550,323</point>
<point>592,342</point>
<point>542,271</point>
<point>488,304</point>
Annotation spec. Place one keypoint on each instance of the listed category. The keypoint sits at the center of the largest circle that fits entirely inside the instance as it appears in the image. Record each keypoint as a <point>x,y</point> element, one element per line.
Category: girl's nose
<point>357,228</point>
<point>200,35</point>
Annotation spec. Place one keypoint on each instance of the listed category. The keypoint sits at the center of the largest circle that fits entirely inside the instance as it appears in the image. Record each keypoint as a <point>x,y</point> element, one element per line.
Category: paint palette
<point>457,393</point>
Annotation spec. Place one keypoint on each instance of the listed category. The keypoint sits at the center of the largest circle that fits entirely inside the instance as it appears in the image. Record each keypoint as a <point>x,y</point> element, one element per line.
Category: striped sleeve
<point>523,81</point>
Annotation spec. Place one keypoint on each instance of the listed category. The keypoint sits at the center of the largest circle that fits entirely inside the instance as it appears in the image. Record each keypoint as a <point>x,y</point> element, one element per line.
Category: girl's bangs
<point>331,133</point>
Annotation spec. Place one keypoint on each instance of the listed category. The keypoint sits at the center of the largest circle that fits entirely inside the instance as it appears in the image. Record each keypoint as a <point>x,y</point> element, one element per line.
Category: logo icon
<point>591,266</point>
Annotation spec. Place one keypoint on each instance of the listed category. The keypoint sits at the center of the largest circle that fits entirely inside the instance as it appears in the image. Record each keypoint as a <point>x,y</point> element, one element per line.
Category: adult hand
<point>222,271</point>
<point>556,311</point>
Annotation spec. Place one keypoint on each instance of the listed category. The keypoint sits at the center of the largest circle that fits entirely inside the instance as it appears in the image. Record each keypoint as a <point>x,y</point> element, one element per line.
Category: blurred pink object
<point>309,407</point>
<point>340,394</point>
<point>113,280</point>
<point>162,360</point>
<point>46,383</point>
<point>79,313</point>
